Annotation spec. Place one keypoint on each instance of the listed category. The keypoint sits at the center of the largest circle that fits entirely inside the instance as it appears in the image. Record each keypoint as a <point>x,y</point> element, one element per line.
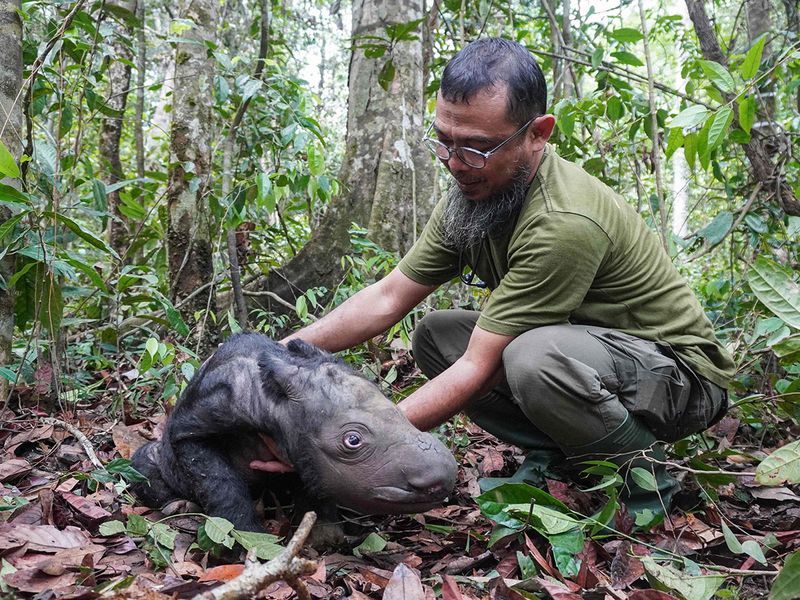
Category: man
<point>590,345</point>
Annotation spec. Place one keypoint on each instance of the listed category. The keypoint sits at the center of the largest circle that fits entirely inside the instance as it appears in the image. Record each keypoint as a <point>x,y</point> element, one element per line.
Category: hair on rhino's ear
<point>303,349</point>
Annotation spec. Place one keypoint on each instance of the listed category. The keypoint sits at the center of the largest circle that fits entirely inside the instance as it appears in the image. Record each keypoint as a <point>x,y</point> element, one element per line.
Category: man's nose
<point>454,163</point>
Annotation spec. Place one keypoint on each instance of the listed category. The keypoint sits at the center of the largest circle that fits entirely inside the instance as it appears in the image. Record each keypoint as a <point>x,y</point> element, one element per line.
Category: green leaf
<point>137,525</point>
<point>667,578</point>
<point>626,58</point>
<point>775,287</point>
<point>218,529</point>
<point>151,346</point>
<point>626,35</point>
<point>386,76</point>
<point>8,225</point>
<point>372,544</point>
<point>527,567</point>
<point>674,141</point>
<point>8,166</point>
<point>566,547</point>
<point>787,584</point>
<point>747,112</point>
<point>718,75</point>
<point>112,528</point>
<point>730,540</point>
<point>787,349</point>
<point>754,551</point>
<point>690,149</point>
<point>644,479</point>
<point>163,535</point>
<point>597,57</point>
<point>614,108</point>
<point>81,232</point>
<point>752,60</point>
<point>782,465</point>
<point>301,307</point>
<point>716,231</point>
<point>690,117</point>
<point>316,160</point>
<point>264,544</point>
<point>719,127</point>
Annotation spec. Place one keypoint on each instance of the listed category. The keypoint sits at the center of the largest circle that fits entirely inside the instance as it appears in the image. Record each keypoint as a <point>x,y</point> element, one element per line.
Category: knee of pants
<point>440,339</point>
<point>548,365</point>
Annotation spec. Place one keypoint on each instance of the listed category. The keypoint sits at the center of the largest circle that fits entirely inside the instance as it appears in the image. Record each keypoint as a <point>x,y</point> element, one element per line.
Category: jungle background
<point>173,173</point>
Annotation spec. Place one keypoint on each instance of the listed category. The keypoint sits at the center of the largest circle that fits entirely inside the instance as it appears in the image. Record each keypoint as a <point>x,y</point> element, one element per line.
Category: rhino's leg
<point>217,484</point>
<point>155,492</point>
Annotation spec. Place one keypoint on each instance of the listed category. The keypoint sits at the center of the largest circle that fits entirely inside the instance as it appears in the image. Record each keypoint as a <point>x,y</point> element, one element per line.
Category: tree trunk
<point>387,177</point>
<point>141,65</point>
<point>762,168</point>
<point>11,134</point>
<point>759,21</point>
<point>793,25</point>
<point>188,230</point>
<point>119,80</point>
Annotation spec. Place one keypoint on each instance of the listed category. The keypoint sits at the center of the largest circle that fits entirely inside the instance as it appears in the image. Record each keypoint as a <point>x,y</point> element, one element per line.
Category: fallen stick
<point>78,435</point>
<point>287,566</point>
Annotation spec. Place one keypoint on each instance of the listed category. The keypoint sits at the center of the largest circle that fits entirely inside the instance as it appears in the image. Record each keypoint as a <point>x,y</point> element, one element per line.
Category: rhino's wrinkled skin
<point>347,442</point>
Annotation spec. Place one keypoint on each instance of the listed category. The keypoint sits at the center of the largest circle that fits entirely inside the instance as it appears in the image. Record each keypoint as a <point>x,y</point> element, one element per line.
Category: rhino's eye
<point>352,440</point>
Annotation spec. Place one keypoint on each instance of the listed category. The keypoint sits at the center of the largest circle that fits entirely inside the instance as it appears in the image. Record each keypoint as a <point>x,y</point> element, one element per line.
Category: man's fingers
<point>271,466</point>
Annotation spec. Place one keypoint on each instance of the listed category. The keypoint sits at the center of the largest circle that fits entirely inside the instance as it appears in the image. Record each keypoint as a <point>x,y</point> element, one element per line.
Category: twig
<point>742,214</point>
<point>286,566</point>
<point>700,471</point>
<point>465,563</point>
<point>277,299</point>
<point>82,439</point>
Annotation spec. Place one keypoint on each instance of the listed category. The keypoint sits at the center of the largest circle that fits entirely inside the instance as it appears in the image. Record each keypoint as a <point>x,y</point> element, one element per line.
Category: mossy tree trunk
<point>386,176</point>
<point>11,133</point>
<point>119,80</point>
<point>188,230</point>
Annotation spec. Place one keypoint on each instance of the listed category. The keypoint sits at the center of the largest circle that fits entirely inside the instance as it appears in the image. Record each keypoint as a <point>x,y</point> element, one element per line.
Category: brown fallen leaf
<point>450,589</point>
<point>42,432</point>
<point>13,468</point>
<point>404,584</point>
<point>33,581</point>
<point>222,573</point>
<point>127,439</point>
<point>778,494</point>
<point>85,507</point>
<point>41,538</point>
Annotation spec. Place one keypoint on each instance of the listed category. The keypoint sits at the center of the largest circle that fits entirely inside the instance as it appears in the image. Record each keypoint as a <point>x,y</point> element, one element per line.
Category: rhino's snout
<point>433,475</point>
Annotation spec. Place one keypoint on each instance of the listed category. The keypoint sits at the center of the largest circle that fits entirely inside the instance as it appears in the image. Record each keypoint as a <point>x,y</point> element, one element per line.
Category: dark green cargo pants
<point>588,392</point>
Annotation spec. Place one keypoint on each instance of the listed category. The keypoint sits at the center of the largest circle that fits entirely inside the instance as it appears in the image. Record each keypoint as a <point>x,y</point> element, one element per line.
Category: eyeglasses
<point>470,277</point>
<point>469,156</point>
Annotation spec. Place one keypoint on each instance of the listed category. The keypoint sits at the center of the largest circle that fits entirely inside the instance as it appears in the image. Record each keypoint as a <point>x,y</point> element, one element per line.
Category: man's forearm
<point>366,314</point>
<point>355,320</point>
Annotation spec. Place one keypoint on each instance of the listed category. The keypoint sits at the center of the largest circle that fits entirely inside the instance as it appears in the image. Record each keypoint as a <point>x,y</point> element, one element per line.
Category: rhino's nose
<point>431,482</point>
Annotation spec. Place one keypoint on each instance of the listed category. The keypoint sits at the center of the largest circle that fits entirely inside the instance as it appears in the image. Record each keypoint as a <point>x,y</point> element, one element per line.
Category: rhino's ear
<point>303,349</point>
<point>284,377</point>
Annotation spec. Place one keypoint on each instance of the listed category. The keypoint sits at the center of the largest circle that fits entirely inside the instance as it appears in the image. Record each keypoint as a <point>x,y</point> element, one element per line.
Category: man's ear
<point>541,129</point>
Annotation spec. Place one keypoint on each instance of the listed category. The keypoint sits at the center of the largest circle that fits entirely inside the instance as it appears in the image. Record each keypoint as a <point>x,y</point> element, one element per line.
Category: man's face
<point>482,124</point>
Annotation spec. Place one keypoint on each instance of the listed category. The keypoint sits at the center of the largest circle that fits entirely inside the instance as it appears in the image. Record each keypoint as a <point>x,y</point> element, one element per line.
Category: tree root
<point>287,566</point>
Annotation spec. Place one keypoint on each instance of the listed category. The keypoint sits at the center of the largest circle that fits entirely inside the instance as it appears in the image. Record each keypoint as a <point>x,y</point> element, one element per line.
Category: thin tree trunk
<point>119,81</point>
<point>188,231</point>
<point>655,154</point>
<point>227,173</point>
<point>762,168</point>
<point>11,128</point>
<point>759,21</point>
<point>141,66</point>
<point>387,178</point>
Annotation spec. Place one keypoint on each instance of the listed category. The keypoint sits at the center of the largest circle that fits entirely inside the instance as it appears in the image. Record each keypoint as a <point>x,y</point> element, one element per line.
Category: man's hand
<point>272,463</point>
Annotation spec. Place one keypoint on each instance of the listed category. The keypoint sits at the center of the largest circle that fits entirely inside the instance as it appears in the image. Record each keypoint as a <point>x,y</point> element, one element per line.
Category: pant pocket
<point>652,386</point>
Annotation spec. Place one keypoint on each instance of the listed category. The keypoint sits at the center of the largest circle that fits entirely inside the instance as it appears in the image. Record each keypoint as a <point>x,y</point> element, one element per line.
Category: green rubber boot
<point>533,470</point>
<point>622,447</point>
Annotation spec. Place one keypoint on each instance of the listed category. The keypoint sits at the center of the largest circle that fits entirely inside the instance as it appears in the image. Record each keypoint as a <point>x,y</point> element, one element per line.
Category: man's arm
<point>472,375</point>
<point>369,312</point>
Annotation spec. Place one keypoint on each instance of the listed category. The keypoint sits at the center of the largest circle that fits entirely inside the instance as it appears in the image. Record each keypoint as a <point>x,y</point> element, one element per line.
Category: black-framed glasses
<point>469,156</point>
<point>470,277</point>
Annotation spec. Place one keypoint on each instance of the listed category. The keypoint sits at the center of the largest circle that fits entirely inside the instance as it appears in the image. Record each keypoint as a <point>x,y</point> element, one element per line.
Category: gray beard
<point>466,222</point>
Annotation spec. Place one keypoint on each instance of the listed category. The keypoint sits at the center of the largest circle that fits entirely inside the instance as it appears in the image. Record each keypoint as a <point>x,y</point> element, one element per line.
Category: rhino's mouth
<point>406,497</point>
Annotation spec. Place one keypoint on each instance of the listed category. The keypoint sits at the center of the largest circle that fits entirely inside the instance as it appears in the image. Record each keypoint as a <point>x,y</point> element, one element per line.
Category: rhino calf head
<point>354,445</point>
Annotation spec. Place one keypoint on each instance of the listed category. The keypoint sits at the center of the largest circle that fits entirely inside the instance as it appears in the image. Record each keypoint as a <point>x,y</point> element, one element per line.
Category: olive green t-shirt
<point>578,253</point>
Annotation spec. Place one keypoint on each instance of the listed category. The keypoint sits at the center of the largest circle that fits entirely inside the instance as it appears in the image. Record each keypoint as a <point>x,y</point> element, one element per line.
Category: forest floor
<point>70,530</point>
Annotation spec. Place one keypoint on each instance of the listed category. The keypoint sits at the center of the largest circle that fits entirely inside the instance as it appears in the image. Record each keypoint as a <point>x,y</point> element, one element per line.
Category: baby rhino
<point>347,442</point>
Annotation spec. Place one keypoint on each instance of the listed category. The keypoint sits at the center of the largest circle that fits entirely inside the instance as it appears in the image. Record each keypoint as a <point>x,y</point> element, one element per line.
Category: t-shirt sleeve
<point>430,261</point>
<point>552,264</point>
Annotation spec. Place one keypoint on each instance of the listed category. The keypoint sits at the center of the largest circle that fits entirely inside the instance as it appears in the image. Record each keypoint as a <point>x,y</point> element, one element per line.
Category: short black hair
<point>490,61</point>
